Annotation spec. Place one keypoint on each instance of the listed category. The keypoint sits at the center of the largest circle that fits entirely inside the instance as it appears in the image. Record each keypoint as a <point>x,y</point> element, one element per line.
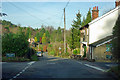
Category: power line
<point>27,12</point>
<point>63,13</point>
<point>45,18</point>
<point>67,3</point>
<point>61,20</point>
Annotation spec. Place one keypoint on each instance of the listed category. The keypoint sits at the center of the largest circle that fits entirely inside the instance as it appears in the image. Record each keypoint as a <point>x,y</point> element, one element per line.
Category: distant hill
<point>8,27</point>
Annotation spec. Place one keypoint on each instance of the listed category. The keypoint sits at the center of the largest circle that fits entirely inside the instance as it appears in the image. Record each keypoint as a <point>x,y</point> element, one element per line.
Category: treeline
<point>15,34</point>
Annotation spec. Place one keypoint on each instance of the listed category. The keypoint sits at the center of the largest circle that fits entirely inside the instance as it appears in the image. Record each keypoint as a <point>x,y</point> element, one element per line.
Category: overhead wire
<point>67,4</point>
<point>37,17</point>
<point>27,12</point>
<point>63,13</point>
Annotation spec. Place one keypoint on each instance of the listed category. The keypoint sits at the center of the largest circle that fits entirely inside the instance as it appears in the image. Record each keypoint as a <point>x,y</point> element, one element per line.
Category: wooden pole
<point>64,33</point>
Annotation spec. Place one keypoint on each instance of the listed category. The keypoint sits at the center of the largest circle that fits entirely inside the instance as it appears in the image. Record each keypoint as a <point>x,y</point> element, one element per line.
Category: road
<point>51,67</point>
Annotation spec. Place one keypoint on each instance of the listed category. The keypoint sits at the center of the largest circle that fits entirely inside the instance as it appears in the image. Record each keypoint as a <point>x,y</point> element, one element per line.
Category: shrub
<point>34,57</point>
<point>75,52</point>
<point>67,54</point>
<point>15,43</point>
<point>52,52</point>
<point>50,45</point>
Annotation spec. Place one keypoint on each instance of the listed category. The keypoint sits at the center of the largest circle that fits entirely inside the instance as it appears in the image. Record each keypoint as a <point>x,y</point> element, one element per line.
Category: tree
<point>75,42</point>
<point>59,34</point>
<point>76,23</point>
<point>88,18</point>
<point>38,36</point>
<point>47,36</point>
<point>115,42</point>
<point>13,40</point>
<point>44,39</point>
<point>29,32</point>
<point>36,39</point>
<point>83,22</point>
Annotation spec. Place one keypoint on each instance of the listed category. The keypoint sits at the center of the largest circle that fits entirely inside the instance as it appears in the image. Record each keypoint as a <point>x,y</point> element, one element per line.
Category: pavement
<point>49,67</point>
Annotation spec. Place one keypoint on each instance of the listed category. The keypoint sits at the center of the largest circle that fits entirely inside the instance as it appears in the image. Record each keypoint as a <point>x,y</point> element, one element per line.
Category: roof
<point>102,41</point>
<point>86,26</point>
<point>101,17</point>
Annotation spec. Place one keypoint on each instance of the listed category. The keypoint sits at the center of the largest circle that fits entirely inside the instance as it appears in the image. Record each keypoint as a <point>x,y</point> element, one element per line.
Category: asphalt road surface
<point>54,68</point>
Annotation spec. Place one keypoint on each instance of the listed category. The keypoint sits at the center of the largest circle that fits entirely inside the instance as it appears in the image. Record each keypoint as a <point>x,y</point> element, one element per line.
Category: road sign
<point>10,54</point>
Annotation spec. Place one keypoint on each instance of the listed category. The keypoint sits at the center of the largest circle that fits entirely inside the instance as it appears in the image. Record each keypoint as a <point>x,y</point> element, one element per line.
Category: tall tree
<point>88,18</point>
<point>76,23</point>
<point>83,22</point>
<point>75,42</point>
<point>47,36</point>
<point>29,32</point>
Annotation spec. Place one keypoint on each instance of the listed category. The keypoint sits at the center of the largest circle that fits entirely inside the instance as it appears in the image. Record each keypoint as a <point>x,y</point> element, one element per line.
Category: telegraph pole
<point>64,33</point>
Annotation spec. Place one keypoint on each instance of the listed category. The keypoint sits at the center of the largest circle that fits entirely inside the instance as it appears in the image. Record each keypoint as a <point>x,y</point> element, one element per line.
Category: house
<point>96,36</point>
<point>31,40</point>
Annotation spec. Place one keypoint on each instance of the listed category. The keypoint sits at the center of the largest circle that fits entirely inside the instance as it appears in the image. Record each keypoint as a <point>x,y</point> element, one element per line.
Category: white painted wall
<point>103,26</point>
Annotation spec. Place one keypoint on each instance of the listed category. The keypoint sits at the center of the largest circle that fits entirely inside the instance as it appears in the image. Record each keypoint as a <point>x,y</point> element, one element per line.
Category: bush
<point>52,52</point>
<point>66,54</point>
<point>15,43</point>
<point>75,52</point>
<point>50,45</point>
<point>30,52</point>
<point>34,57</point>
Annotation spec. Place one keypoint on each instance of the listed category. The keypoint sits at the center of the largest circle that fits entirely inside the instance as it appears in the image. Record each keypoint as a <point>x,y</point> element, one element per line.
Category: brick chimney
<point>95,12</point>
<point>117,3</point>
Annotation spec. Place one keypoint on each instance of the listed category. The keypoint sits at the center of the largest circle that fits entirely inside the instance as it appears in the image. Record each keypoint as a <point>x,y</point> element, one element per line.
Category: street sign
<point>10,54</point>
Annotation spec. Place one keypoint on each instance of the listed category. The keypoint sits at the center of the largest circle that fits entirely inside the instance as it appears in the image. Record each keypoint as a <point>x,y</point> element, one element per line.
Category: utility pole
<point>64,33</point>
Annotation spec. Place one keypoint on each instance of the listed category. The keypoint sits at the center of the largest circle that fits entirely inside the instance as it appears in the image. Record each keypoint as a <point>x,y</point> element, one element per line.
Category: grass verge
<point>19,59</point>
<point>14,59</point>
<point>115,70</point>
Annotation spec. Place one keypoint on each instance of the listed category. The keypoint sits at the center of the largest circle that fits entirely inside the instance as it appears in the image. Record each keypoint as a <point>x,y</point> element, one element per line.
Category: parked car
<point>39,54</point>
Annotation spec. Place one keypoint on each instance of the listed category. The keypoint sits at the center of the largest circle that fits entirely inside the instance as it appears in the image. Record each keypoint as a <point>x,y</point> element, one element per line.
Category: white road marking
<point>96,68</point>
<point>30,63</point>
<point>2,62</point>
<point>79,62</point>
<point>50,63</point>
<point>107,64</point>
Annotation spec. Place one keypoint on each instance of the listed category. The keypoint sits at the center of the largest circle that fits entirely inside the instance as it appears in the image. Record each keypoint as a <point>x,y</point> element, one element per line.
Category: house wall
<point>102,26</point>
<point>99,52</point>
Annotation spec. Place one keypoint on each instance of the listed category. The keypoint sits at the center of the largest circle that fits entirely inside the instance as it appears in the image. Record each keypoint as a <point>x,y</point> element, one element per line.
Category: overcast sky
<point>35,14</point>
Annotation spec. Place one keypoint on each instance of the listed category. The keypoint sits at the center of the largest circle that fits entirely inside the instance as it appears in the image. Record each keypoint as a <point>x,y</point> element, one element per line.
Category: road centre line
<point>30,63</point>
<point>97,68</point>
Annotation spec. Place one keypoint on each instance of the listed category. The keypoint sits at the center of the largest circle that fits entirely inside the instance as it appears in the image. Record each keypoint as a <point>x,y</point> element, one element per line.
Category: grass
<point>34,57</point>
<point>19,59</point>
<point>14,59</point>
<point>103,60</point>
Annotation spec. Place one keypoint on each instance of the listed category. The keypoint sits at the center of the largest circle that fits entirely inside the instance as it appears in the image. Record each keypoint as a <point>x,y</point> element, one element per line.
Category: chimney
<point>95,12</point>
<point>117,3</point>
